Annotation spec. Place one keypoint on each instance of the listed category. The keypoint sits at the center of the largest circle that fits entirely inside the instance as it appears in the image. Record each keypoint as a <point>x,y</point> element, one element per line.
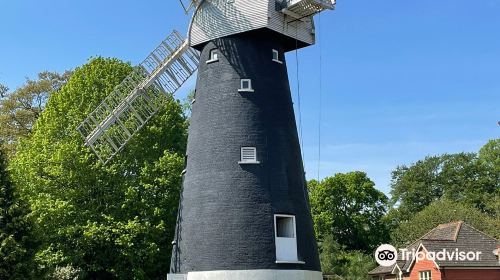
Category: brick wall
<point>425,265</point>
<point>226,216</point>
<point>471,274</point>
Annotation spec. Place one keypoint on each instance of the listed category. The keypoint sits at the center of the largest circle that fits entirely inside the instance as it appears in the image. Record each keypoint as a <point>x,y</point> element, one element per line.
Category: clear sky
<point>401,79</point>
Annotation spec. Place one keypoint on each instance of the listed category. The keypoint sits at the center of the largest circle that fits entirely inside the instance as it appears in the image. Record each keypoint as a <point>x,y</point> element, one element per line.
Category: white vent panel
<point>248,155</point>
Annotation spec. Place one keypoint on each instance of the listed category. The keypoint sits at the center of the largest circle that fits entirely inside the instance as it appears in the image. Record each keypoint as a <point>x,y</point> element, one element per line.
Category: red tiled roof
<point>444,232</point>
<point>452,237</point>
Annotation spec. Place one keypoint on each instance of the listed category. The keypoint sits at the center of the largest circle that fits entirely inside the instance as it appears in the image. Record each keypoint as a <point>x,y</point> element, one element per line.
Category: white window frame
<point>290,240</point>
<point>213,56</point>
<point>276,56</point>
<point>247,161</point>
<point>249,88</point>
<point>425,275</point>
<point>397,271</point>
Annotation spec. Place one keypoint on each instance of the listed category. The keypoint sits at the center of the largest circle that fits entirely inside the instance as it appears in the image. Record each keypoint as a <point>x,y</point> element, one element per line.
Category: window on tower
<point>246,85</point>
<point>276,56</point>
<point>286,239</point>
<point>214,56</point>
<point>248,155</point>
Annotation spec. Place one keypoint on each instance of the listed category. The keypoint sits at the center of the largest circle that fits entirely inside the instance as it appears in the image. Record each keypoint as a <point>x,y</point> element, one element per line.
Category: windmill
<point>243,210</point>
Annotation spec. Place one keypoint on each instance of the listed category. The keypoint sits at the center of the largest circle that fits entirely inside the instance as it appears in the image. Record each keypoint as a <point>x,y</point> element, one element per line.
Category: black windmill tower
<point>244,210</point>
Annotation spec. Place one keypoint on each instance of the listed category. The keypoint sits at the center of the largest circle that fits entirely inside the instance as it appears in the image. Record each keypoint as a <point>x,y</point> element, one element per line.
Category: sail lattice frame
<point>136,99</point>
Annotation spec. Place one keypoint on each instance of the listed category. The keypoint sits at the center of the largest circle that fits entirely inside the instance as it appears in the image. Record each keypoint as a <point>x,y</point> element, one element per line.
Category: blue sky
<point>401,79</point>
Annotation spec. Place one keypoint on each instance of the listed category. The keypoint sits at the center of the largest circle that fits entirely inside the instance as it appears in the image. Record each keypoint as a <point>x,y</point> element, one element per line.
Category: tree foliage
<point>3,90</point>
<point>104,222</point>
<point>465,177</point>
<point>349,265</point>
<point>187,103</point>
<point>441,212</point>
<point>489,158</point>
<point>16,241</point>
<point>349,207</point>
<point>21,108</point>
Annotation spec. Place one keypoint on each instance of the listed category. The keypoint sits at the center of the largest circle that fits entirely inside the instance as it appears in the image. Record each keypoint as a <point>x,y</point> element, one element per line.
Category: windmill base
<point>264,274</point>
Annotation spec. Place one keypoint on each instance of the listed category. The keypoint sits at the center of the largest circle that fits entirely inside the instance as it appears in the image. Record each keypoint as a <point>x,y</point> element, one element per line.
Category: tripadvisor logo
<point>387,255</point>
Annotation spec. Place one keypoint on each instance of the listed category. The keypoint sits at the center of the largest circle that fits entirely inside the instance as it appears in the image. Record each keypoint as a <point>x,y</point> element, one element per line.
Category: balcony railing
<point>305,8</point>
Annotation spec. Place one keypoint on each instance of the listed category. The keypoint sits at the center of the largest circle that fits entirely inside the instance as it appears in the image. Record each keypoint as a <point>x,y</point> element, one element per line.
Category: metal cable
<point>320,94</point>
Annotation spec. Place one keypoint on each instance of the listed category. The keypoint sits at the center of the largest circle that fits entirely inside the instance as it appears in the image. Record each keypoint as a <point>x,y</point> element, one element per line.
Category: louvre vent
<point>248,155</point>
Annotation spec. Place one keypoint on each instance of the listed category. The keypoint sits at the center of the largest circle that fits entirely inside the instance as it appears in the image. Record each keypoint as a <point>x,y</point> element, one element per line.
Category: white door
<point>286,238</point>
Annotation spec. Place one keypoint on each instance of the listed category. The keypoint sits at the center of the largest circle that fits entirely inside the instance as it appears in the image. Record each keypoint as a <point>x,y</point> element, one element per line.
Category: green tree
<point>336,260</point>
<point>187,103</point>
<point>489,158</point>
<point>16,241</point>
<point>102,222</point>
<point>464,177</point>
<point>349,207</point>
<point>489,155</point>
<point>441,212</point>
<point>21,108</point>
<point>3,90</point>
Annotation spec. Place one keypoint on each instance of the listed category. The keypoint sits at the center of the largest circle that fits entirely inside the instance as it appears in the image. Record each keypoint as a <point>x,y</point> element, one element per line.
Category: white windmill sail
<point>187,5</point>
<point>135,100</point>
